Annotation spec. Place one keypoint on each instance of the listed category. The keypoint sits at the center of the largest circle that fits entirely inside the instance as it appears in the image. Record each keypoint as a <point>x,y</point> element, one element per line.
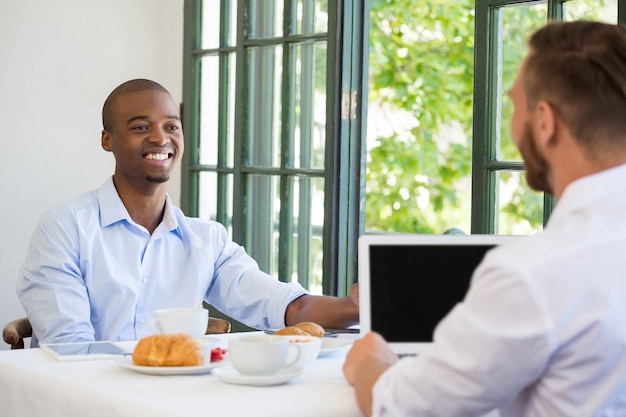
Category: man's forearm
<point>326,311</point>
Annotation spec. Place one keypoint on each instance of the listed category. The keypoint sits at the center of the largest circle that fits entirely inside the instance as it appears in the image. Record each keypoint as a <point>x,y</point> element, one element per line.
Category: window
<point>500,196</point>
<point>274,97</point>
<point>272,131</point>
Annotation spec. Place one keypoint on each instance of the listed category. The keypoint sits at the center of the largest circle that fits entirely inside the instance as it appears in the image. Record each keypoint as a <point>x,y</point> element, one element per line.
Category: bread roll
<point>168,350</point>
<point>291,331</point>
<point>311,328</point>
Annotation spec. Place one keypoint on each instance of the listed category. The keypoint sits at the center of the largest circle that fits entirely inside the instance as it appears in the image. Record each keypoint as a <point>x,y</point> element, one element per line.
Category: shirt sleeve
<point>485,352</point>
<point>51,288</point>
<point>247,294</point>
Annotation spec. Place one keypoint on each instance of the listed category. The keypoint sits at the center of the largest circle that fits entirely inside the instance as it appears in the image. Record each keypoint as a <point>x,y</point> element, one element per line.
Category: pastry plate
<point>230,375</point>
<point>127,362</point>
<point>332,345</point>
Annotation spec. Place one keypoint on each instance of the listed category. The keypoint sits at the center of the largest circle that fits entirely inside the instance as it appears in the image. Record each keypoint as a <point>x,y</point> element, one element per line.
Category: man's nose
<point>160,137</point>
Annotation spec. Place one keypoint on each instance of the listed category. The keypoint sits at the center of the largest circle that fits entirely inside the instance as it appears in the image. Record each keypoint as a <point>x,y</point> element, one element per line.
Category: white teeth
<point>157,156</point>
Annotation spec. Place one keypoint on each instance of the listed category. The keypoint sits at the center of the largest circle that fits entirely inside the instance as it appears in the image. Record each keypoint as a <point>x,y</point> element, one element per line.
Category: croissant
<point>168,350</point>
<point>306,328</point>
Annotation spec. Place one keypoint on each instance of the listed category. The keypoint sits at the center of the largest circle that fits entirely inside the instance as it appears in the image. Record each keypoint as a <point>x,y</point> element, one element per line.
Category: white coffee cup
<point>192,321</point>
<point>261,354</point>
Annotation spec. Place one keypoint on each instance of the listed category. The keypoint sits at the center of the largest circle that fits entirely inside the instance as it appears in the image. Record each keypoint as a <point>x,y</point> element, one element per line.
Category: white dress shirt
<point>542,330</point>
<point>92,273</point>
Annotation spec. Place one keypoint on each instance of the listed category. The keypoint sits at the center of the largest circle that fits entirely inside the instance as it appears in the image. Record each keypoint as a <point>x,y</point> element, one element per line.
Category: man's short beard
<point>158,180</point>
<point>536,167</point>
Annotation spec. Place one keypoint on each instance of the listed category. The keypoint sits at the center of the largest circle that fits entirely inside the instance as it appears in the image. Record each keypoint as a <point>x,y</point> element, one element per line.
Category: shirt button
<point>144,280</point>
<point>142,320</point>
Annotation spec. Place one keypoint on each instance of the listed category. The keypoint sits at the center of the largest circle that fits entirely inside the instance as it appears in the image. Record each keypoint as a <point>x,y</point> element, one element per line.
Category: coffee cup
<point>262,354</point>
<point>192,321</point>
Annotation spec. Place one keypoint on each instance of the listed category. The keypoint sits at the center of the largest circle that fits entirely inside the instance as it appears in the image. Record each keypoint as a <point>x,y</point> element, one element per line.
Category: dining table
<point>34,384</point>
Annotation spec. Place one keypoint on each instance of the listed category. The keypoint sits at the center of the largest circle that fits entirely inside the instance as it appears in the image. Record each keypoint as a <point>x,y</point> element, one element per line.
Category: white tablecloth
<point>33,384</point>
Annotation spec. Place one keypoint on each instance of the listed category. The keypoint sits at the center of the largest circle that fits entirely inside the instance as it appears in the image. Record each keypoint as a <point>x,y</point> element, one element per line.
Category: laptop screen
<point>408,283</point>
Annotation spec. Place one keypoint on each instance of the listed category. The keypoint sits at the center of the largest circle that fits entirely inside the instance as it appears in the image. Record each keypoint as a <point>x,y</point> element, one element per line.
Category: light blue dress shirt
<point>92,273</point>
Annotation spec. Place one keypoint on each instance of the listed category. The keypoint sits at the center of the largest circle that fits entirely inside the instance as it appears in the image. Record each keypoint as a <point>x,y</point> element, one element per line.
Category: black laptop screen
<point>414,286</point>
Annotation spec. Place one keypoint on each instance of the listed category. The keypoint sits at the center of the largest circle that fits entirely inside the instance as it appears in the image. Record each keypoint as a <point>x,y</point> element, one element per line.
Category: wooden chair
<point>16,331</point>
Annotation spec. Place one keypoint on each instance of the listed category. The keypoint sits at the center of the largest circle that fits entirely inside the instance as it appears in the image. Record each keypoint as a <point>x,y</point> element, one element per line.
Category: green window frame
<point>487,161</point>
<point>253,74</point>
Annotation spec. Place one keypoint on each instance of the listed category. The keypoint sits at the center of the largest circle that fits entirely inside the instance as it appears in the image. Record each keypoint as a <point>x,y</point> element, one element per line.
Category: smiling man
<point>98,267</point>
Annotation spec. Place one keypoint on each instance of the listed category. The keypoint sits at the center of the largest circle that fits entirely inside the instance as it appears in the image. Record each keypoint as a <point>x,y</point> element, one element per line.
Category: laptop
<point>408,283</point>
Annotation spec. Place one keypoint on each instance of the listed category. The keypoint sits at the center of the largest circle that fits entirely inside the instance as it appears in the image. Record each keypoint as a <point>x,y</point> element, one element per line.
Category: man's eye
<point>140,128</point>
<point>174,127</point>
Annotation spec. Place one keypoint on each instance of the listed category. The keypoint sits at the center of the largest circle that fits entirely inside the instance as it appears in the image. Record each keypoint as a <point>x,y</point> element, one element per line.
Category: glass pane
<point>308,218</point>
<point>520,208</point>
<point>266,18</point>
<point>312,16</point>
<point>209,109</point>
<point>217,109</point>
<point>262,219</point>
<point>310,117</point>
<point>517,24</point>
<point>211,28</point>
<point>264,106</point>
<point>598,10</point>
<point>209,198</point>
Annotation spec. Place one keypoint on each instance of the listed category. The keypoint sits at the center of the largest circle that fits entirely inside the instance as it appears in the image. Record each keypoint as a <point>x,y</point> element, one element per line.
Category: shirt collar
<point>584,191</point>
<point>112,208</point>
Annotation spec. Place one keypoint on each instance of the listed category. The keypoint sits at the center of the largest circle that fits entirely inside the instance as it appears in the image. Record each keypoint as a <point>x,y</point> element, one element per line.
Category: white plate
<point>331,345</point>
<point>127,362</point>
<point>230,375</point>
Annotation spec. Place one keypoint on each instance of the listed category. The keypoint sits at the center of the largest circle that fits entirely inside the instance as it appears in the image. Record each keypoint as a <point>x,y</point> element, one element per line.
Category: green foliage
<point>421,67</point>
<point>421,61</point>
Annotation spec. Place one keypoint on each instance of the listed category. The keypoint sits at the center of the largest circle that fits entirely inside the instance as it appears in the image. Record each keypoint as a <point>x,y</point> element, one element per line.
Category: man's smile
<point>157,156</point>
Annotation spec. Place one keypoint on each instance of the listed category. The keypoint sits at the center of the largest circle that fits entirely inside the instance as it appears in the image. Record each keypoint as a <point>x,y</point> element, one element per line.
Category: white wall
<point>58,62</point>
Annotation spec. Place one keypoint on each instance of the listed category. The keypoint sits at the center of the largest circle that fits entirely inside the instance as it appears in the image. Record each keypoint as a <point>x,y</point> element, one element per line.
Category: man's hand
<point>366,361</point>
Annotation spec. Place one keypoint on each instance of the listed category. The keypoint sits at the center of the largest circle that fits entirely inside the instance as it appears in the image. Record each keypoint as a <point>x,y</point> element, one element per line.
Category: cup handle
<point>294,360</point>
<point>155,326</point>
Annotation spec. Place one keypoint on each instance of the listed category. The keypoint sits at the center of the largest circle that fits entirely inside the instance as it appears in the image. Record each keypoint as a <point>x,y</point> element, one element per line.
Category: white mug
<point>192,321</point>
<point>261,354</point>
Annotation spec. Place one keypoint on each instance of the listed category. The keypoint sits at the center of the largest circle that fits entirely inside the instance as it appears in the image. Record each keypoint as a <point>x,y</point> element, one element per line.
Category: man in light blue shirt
<point>98,267</point>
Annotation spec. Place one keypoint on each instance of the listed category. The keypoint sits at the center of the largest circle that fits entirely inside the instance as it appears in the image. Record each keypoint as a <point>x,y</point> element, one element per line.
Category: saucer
<point>333,345</point>
<point>232,376</point>
<point>127,362</point>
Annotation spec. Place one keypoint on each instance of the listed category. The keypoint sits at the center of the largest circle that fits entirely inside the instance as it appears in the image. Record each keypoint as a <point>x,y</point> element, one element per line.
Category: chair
<point>217,326</point>
<point>15,331</point>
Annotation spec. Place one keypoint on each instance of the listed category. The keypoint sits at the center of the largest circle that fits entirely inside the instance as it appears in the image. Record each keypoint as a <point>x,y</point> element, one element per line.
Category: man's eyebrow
<point>142,117</point>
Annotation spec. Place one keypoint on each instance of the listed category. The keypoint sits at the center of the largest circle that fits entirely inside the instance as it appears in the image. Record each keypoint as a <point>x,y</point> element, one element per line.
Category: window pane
<point>209,198</point>
<point>517,24</point>
<point>310,117</point>
<point>308,216</point>
<point>262,219</point>
<point>520,208</point>
<point>211,11</point>
<point>266,18</point>
<point>599,10</point>
<point>312,16</point>
<point>264,105</point>
<point>209,115</point>
<point>210,24</point>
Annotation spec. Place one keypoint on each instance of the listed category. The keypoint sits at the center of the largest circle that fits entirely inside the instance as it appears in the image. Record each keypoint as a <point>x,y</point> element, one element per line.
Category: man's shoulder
<point>198,225</point>
<point>84,203</point>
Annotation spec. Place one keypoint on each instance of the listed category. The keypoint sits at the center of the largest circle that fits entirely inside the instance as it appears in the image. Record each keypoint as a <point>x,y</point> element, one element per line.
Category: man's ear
<point>106,141</point>
<point>545,124</point>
